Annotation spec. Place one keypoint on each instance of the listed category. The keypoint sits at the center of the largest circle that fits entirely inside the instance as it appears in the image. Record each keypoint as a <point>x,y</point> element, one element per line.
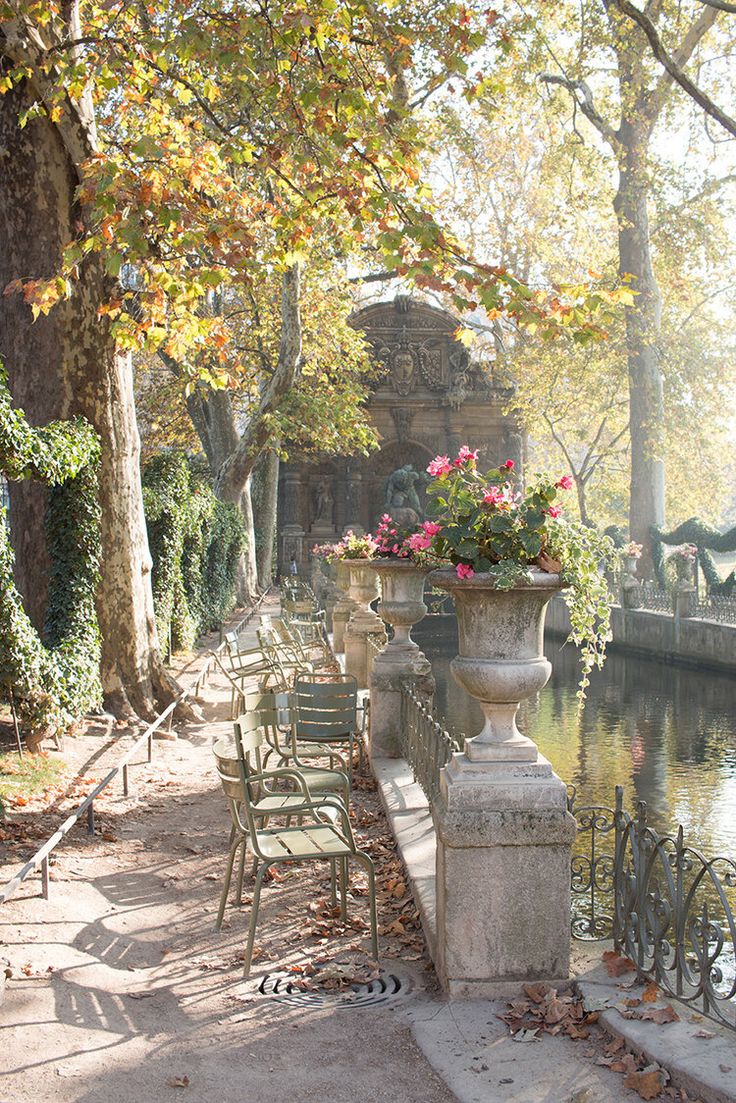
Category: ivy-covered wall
<point>195,542</point>
<point>54,680</point>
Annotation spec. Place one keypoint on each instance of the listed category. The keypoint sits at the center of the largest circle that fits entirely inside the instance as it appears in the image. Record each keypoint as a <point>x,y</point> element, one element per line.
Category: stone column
<point>363,621</point>
<point>402,590</point>
<point>343,606</point>
<point>504,835</point>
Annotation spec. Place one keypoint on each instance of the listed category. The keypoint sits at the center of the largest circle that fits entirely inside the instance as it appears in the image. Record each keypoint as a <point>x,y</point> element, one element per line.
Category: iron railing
<point>721,609</point>
<point>121,768</point>
<point>655,600</point>
<point>374,645</point>
<point>426,743</point>
<point>667,907</point>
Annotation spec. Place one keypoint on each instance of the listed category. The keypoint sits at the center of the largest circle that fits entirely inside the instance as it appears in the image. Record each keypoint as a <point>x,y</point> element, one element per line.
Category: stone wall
<point>688,641</point>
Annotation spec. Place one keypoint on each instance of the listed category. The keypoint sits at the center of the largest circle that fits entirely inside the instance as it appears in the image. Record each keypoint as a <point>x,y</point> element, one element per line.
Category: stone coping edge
<point>693,1063</point>
<point>408,811</point>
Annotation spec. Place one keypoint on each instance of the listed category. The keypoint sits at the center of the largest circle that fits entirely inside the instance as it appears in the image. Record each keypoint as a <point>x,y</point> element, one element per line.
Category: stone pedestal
<point>504,840</point>
<point>363,621</point>
<point>401,606</point>
<point>343,607</point>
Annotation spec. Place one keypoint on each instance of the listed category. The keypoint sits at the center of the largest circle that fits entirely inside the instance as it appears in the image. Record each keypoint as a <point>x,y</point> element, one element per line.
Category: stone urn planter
<point>401,605</point>
<point>630,563</point>
<point>501,655</point>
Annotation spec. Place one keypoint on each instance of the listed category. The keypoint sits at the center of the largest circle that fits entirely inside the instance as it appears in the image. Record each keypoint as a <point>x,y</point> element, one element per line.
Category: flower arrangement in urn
<point>353,546</point>
<point>396,541</point>
<point>488,524</point>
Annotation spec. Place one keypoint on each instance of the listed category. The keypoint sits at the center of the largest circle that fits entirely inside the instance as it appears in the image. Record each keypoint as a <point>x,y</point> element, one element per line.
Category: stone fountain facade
<point>432,398</point>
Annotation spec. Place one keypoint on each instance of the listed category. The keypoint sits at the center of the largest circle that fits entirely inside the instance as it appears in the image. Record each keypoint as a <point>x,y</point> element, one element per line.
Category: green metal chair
<point>327,712</point>
<point>274,713</point>
<point>313,649</point>
<point>283,660</point>
<point>324,834</point>
<point>266,802</point>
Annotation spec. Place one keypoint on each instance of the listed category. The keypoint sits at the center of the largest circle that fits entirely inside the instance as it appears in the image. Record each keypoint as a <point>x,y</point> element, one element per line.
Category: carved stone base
<point>504,839</point>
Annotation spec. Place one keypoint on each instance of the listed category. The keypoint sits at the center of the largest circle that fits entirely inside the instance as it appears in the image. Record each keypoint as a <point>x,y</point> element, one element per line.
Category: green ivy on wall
<point>195,541</point>
<point>54,681</point>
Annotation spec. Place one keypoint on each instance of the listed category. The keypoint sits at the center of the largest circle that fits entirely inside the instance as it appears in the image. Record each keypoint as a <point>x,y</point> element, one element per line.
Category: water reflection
<point>667,734</point>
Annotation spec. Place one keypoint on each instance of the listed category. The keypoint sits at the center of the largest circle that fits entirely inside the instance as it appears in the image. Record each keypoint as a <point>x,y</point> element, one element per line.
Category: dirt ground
<point>122,991</point>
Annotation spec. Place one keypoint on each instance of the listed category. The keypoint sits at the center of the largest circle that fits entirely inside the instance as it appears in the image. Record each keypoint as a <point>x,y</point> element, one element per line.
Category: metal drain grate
<point>386,987</point>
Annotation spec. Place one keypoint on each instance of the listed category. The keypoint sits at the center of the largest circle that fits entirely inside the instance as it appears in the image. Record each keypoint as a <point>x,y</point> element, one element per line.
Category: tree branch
<point>236,470</point>
<point>583,98</point>
<point>673,66</point>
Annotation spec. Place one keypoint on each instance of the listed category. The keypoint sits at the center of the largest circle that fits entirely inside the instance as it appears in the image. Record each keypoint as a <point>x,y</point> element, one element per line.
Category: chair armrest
<point>284,772</point>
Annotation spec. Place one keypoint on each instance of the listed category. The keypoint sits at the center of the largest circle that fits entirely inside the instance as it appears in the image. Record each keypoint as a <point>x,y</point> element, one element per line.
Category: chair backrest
<point>274,716</point>
<point>325,706</point>
<point>228,770</point>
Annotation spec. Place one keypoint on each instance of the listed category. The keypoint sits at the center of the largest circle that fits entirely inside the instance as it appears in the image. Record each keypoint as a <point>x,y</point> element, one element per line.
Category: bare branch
<point>673,66</point>
<point>583,98</point>
<point>719,5</point>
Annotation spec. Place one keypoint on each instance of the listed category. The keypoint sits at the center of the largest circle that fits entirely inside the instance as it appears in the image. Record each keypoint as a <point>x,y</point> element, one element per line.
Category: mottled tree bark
<point>266,517</point>
<point>67,364</point>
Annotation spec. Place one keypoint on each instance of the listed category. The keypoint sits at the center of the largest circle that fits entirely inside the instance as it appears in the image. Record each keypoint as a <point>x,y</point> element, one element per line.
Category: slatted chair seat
<point>302,842</point>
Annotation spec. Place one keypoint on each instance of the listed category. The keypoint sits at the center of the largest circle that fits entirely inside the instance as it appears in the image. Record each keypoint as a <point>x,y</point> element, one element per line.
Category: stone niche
<point>432,398</point>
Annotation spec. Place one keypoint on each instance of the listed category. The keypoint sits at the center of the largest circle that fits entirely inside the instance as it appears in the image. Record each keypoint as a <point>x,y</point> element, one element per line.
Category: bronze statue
<point>401,498</point>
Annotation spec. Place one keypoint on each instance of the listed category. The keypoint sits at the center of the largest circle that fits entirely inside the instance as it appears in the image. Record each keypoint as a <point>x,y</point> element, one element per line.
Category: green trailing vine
<point>54,681</point>
<point>195,541</point>
<point>706,539</point>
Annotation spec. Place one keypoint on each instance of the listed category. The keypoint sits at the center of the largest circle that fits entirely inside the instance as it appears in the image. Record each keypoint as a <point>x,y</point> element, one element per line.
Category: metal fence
<point>656,600</point>
<point>666,906</point>
<point>41,858</point>
<point>426,743</point>
<point>721,609</point>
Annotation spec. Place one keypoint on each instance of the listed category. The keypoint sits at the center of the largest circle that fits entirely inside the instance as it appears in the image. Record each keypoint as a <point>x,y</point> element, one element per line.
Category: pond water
<point>667,734</point>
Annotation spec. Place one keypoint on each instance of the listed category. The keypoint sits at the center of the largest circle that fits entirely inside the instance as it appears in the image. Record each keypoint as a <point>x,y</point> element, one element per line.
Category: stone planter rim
<point>445,578</point>
<point>386,561</point>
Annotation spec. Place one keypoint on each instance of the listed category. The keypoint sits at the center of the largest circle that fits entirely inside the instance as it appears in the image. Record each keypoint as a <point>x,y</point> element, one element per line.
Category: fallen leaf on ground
<point>658,1014</point>
<point>526,1036</point>
<point>704,1034</point>
<point>616,965</point>
<point>648,1083</point>
<point>179,1082</point>
<point>650,993</point>
<point>140,995</point>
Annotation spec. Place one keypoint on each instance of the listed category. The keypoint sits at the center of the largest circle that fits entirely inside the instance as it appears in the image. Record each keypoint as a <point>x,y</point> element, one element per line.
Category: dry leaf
<point>648,1083</point>
<point>536,992</point>
<point>617,965</point>
<point>526,1036</point>
<point>179,1082</point>
<point>704,1034</point>
<point>140,995</point>
<point>650,993</point>
<point>725,1068</point>
<point>659,1014</point>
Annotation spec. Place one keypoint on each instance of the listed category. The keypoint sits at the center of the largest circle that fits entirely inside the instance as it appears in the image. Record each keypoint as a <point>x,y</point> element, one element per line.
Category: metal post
<point>45,878</point>
<point>150,747</point>
<point>91,819</point>
<point>125,780</point>
<point>15,721</point>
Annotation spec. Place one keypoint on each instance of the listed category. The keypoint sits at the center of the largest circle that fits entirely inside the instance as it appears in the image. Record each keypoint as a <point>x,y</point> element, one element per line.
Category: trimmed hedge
<point>55,681</point>
<point>195,541</point>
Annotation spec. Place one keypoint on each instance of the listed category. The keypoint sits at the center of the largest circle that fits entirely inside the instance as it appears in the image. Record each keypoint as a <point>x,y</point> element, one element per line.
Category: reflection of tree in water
<point>667,734</point>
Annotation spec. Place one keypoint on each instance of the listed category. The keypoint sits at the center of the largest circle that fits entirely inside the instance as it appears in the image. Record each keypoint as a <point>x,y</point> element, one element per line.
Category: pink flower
<point>419,541</point>
<point>554,511</point>
<point>431,528</point>
<point>493,496</point>
<point>565,483</point>
<point>509,465</point>
<point>439,466</point>
<point>466,456</point>
<point>464,571</point>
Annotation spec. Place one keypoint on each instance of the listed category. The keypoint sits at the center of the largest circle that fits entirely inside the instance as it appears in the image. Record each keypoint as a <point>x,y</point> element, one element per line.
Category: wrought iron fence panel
<point>714,607</point>
<point>426,743</point>
<point>592,870</point>
<point>667,906</point>
<point>655,600</point>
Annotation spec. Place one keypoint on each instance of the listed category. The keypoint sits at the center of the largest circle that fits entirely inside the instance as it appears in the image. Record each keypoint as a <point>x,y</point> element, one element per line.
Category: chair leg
<point>241,872</point>
<point>228,875</point>
<point>253,919</point>
<point>333,883</point>
<point>367,861</point>
<point>343,888</point>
